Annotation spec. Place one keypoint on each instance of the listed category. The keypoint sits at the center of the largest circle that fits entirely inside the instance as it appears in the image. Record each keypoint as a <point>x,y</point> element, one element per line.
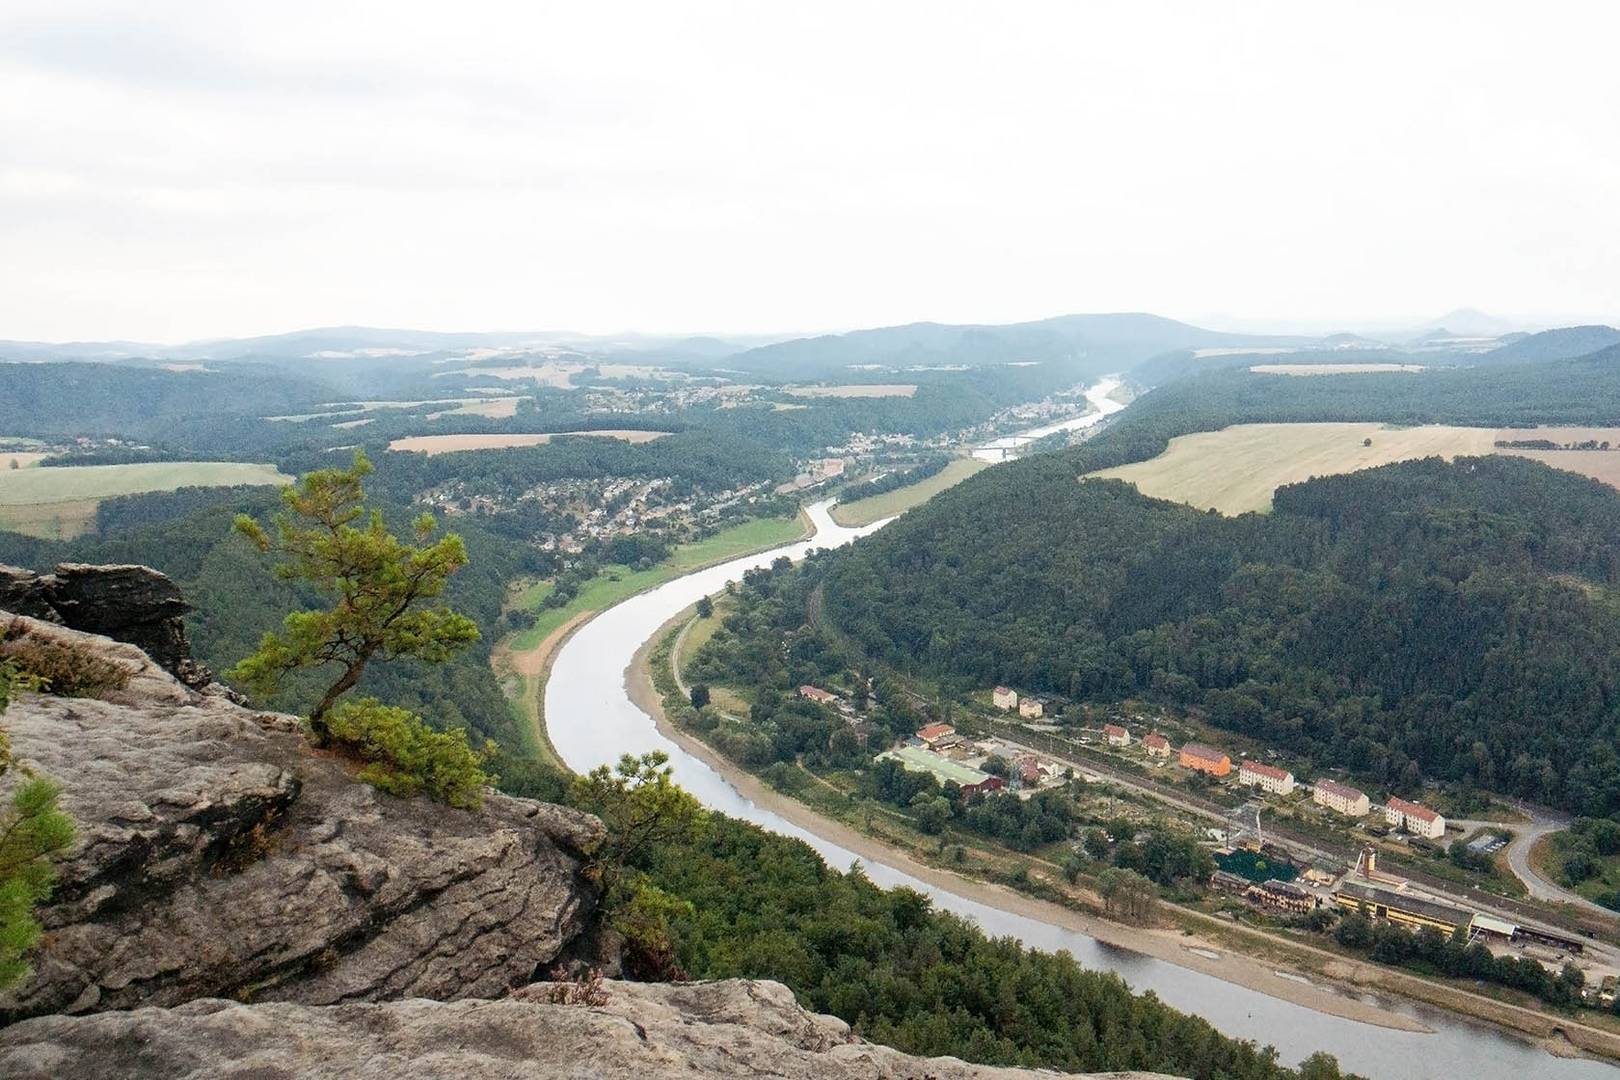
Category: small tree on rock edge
<point>382,588</point>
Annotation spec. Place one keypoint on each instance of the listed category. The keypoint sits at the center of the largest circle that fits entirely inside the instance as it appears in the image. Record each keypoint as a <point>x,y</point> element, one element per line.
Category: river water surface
<point>592,721</point>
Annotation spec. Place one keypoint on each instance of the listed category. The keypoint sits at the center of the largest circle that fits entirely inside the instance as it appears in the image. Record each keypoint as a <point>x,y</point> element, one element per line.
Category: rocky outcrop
<point>132,604</point>
<point>643,1031</point>
<point>220,856</point>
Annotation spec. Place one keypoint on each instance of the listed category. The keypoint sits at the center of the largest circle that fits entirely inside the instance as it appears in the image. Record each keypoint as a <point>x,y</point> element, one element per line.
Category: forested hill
<point>1560,344</point>
<point>188,535</point>
<point>1084,345</point>
<point>104,399</point>
<point>1451,621</point>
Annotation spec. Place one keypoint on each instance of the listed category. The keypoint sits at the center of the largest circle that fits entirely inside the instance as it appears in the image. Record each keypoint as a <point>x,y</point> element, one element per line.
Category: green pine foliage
<point>405,757</point>
<point>33,830</point>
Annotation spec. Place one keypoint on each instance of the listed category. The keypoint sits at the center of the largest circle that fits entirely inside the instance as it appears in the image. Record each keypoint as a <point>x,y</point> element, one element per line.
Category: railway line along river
<point>592,719</point>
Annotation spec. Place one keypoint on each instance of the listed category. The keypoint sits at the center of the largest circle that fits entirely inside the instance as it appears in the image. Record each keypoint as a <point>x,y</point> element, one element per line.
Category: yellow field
<point>1331,369</point>
<point>560,373</point>
<point>448,444</point>
<point>855,390</point>
<point>1237,469</point>
<point>496,408</point>
<point>887,505</point>
<point>20,459</point>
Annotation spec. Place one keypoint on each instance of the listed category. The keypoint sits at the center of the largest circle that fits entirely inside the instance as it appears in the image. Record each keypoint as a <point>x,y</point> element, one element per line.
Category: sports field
<point>449,444</point>
<point>1235,470</point>
<point>59,503</point>
<point>917,759</point>
<point>890,503</point>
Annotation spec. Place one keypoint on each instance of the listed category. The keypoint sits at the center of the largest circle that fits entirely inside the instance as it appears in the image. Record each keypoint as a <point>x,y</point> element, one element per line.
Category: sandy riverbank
<point>1172,946</point>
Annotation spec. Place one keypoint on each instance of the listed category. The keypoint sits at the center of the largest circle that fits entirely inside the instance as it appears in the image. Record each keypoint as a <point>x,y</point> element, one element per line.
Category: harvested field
<point>1610,435</point>
<point>1601,465</point>
<point>449,444</point>
<point>500,408</point>
<point>854,390</point>
<point>560,373</point>
<point>1235,470</point>
<point>20,459</point>
<point>1331,369</point>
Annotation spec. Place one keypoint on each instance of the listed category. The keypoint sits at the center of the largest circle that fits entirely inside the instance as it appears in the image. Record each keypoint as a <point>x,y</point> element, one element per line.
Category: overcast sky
<point>179,170</point>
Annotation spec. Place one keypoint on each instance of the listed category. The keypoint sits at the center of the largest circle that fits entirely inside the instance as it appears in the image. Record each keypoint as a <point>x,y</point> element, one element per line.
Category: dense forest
<point>188,535</point>
<point>737,901</point>
<point>43,400</point>
<point>1419,620</point>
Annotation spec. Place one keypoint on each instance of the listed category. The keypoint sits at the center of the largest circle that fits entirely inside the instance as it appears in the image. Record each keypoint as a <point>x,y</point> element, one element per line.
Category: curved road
<point>1542,823</point>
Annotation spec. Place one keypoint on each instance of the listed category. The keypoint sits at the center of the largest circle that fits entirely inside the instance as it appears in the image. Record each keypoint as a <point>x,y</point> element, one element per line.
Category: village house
<point>818,695</point>
<point>1415,819</point>
<point>1156,745</point>
<point>1282,896</point>
<point>1116,735</point>
<point>1204,759</point>
<point>984,787</point>
<point>1267,778</point>
<point>1031,708</point>
<point>935,733</point>
<point>1341,798</point>
<point>1004,698</point>
<point>1029,770</point>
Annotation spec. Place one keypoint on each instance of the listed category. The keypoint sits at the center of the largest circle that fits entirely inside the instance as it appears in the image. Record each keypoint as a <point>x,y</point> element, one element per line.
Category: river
<point>1008,447</point>
<point>592,720</point>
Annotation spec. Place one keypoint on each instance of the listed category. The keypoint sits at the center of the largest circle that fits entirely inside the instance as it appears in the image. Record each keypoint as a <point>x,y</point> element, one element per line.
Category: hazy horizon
<point>176,173</point>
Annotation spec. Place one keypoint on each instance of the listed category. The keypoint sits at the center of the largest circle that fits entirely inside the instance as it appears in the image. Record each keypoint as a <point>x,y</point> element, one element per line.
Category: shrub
<point>57,668</point>
<point>405,757</point>
<point>32,832</point>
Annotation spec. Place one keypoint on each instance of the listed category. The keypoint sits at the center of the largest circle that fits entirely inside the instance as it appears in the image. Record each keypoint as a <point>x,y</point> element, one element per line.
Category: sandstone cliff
<point>642,1031</point>
<point>238,905</point>
<point>132,604</point>
<point>219,855</point>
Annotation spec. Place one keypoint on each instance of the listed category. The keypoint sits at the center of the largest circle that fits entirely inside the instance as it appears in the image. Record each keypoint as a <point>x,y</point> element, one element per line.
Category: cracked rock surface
<point>218,855</point>
<point>644,1031</point>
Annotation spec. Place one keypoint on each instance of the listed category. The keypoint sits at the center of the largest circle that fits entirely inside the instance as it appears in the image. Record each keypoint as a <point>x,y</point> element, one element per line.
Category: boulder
<point>133,604</point>
<point>638,1031</point>
<point>220,856</point>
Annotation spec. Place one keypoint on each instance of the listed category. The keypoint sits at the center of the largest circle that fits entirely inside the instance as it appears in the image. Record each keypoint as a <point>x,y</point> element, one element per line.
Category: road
<point>1542,823</point>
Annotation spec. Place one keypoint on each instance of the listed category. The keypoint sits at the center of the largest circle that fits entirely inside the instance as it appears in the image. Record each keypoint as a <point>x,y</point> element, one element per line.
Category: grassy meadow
<point>60,503</point>
<point>890,503</point>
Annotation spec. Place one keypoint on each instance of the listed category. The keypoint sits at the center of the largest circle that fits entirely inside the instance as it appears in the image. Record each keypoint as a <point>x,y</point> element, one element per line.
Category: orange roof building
<point>1205,759</point>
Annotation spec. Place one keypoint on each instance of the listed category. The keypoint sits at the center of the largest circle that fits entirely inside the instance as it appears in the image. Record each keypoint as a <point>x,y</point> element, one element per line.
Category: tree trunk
<point>318,730</point>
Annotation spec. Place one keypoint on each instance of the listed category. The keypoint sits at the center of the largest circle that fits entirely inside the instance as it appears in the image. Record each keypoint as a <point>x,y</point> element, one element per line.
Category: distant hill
<point>1565,343</point>
<point>373,343</point>
<point>74,398</point>
<point>1088,344</point>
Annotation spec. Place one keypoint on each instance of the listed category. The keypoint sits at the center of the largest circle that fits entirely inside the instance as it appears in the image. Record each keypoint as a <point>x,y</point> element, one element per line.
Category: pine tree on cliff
<point>385,594</point>
<point>383,588</point>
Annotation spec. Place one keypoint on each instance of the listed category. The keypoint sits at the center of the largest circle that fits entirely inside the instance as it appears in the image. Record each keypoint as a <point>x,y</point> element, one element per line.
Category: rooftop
<point>1344,791</point>
<point>1411,809</point>
<point>1199,750</point>
<point>1260,768</point>
<point>1428,909</point>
